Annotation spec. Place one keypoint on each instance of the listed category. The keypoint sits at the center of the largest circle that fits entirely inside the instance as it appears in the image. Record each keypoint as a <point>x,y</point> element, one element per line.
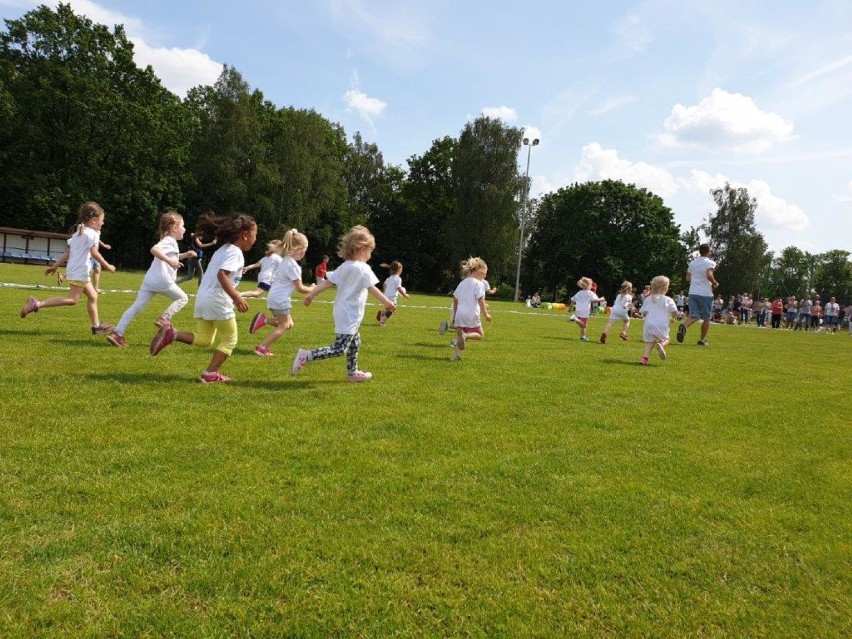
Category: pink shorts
<point>582,321</point>
<point>467,330</point>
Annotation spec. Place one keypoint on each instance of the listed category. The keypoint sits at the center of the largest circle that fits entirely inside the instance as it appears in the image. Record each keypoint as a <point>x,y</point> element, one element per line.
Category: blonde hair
<point>394,267</point>
<point>585,283</point>
<point>293,240</point>
<point>274,246</point>
<point>167,221</point>
<point>358,237</point>
<point>472,265</point>
<point>659,285</point>
<point>626,287</point>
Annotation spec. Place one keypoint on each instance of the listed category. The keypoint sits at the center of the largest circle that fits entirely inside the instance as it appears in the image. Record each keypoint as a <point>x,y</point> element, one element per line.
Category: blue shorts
<point>831,320</point>
<point>701,306</point>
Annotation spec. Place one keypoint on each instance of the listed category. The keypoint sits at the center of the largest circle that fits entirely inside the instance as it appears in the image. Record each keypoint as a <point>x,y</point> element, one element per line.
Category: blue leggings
<point>348,344</point>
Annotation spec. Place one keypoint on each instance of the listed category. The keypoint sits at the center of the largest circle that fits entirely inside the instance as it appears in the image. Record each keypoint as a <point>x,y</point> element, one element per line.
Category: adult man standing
<point>701,284</point>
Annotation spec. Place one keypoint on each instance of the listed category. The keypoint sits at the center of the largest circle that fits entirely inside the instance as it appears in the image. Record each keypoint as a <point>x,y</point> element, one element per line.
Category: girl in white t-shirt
<point>583,300</point>
<point>268,265</point>
<point>82,246</point>
<point>354,279</point>
<point>393,288</point>
<point>217,296</point>
<point>469,304</point>
<point>287,278</point>
<point>160,278</point>
<point>658,309</point>
<point>620,310</point>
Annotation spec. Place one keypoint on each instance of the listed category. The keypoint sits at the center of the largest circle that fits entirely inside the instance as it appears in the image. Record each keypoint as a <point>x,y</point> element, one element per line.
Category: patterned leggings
<point>349,344</point>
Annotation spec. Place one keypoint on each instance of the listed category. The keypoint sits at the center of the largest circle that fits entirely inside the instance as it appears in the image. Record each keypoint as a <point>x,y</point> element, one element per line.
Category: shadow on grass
<point>441,344</point>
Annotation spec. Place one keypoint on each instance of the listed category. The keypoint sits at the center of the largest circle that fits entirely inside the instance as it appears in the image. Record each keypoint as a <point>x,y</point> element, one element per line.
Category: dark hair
<point>704,249</point>
<point>224,229</point>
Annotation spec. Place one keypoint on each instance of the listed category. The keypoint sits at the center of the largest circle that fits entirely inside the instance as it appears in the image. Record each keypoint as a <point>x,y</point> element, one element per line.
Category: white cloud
<point>846,199</point>
<point>597,163</point>
<point>775,211</point>
<point>507,114</point>
<point>367,107</point>
<point>724,121</point>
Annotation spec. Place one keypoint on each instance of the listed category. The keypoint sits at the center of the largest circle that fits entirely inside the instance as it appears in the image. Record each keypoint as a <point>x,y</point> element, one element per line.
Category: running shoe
<point>163,338</point>
<point>117,340</point>
<point>263,351</point>
<point>30,307</point>
<point>359,376</point>
<point>681,333</point>
<point>299,362</point>
<point>257,322</point>
<point>214,378</point>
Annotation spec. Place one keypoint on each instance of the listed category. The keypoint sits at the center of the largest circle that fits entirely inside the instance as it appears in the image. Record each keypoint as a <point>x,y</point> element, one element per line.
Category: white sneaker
<point>300,361</point>
<point>661,351</point>
<point>359,376</point>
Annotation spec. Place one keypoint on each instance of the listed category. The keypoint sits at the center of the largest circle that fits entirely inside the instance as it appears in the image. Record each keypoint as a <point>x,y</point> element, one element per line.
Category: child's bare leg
<point>92,304</point>
<point>216,361</point>
<point>608,326</point>
<point>282,324</point>
<point>649,346</point>
<point>70,300</point>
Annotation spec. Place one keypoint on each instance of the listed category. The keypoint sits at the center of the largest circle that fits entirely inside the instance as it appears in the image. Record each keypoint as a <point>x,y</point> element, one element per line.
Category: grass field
<point>541,487</point>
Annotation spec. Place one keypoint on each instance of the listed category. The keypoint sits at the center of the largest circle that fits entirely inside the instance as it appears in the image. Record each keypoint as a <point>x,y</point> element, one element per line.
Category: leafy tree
<point>738,247</point>
<point>789,273</point>
<point>82,122</point>
<point>832,275</point>
<point>609,231</point>
<point>485,173</point>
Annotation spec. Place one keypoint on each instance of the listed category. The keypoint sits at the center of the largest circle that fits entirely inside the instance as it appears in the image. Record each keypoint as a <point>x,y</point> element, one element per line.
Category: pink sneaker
<point>162,321</point>
<point>300,361</point>
<point>263,351</point>
<point>163,338</point>
<point>257,322</point>
<point>359,376</point>
<point>643,360</point>
<point>30,307</point>
<point>117,340</point>
<point>213,378</point>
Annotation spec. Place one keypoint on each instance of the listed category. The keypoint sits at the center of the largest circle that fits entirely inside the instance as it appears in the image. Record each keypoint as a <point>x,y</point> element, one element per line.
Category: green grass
<point>541,487</point>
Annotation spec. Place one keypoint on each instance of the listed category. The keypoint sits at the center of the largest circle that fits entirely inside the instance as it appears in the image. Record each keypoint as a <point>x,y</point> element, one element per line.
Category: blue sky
<point>672,96</point>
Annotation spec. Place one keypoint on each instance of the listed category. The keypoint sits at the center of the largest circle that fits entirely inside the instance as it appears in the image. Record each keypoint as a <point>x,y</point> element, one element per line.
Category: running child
<point>82,246</point>
<point>393,288</point>
<point>354,279</point>
<point>469,305</point>
<point>160,278</point>
<point>583,300</point>
<point>658,309</point>
<point>217,296</point>
<point>621,308</point>
<point>287,278</point>
<point>268,265</point>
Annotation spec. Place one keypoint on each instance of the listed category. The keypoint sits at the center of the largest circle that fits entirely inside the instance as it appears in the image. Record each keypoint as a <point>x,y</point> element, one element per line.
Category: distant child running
<point>217,296</point>
<point>354,279</point>
<point>321,270</point>
<point>583,300</point>
<point>160,278</point>
<point>268,265</point>
<point>287,278</point>
<point>82,246</point>
<point>621,308</point>
<point>393,288</point>
<point>469,305</point>
<point>658,309</point>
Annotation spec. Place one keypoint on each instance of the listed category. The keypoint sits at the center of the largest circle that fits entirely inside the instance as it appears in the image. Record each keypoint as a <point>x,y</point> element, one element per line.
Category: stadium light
<point>529,146</point>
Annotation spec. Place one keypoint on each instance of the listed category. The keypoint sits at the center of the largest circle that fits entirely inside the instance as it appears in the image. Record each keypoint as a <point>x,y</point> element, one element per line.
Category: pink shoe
<point>257,322</point>
<point>623,336</point>
<point>359,376</point>
<point>213,378</point>
<point>300,361</point>
<point>117,340</point>
<point>643,361</point>
<point>263,351</point>
<point>30,307</point>
<point>162,321</point>
<point>163,338</point>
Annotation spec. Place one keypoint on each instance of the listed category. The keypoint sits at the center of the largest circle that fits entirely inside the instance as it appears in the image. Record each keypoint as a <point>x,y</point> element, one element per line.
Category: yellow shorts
<point>79,283</point>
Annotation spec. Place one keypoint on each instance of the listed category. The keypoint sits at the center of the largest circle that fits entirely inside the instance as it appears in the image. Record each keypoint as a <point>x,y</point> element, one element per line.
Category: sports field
<point>541,487</point>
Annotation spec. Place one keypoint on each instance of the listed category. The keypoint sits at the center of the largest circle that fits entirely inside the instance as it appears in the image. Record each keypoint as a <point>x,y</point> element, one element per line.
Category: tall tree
<point>609,231</point>
<point>832,275</point>
<point>738,247</point>
<point>84,122</point>
<point>488,185</point>
<point>789,273</point>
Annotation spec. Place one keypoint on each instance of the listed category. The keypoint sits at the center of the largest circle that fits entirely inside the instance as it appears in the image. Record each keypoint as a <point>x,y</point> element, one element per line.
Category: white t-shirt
<point>212,303</point>
<point>832,309</point>
<point>468,293</point>
<point>698,282</point>
<point>160,275</point>
<point>352,280</point>
<point>392,285</point>
<point>77,266</point>
<point>657,310</point>
<point>268,265</point>
<point>620,306</point>
<point>281,291</point>
<point>583,300</point>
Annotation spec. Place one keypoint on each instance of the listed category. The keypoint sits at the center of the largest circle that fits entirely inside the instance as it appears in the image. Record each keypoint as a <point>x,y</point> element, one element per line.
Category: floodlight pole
<point>524,214</point>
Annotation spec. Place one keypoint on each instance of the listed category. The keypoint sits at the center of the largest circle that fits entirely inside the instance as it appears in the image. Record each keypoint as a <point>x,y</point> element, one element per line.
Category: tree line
<point>79,121</point>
